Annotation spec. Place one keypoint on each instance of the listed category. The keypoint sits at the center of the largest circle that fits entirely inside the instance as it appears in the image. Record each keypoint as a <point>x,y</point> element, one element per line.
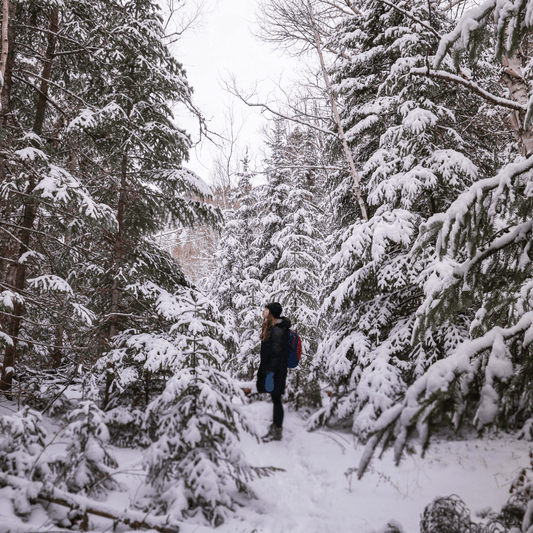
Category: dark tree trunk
<point>57,354</point>
<point>17,271</point>
<point>17,277</point>
<point>47,70</point>
<point>119,257</point>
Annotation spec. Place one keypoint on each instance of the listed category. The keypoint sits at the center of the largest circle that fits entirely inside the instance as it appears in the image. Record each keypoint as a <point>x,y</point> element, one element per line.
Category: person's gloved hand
<point>269,382</point>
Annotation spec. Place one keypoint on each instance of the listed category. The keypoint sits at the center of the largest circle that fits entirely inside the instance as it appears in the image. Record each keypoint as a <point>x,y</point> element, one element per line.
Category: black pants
<point>278,410</point>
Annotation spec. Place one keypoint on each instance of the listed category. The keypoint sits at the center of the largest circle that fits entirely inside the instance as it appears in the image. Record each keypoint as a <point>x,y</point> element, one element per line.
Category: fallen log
<point>130,517</point>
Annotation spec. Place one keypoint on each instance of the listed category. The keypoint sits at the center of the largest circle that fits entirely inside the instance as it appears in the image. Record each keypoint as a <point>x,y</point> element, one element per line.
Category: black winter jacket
<point>274,355</point>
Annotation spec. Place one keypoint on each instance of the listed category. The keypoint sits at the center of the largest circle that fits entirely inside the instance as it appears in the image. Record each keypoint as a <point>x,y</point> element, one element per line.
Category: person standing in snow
<point>272,372</point>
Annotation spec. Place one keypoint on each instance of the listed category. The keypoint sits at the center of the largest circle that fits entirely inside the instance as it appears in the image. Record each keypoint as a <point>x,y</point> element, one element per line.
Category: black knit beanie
<point>274,308</point>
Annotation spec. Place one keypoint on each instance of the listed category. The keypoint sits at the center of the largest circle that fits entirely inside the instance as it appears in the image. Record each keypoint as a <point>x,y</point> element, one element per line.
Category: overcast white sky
<point>221,47</point>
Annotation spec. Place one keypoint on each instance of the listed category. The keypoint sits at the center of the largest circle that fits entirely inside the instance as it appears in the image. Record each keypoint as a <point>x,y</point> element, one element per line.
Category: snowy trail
<point>313,496</point>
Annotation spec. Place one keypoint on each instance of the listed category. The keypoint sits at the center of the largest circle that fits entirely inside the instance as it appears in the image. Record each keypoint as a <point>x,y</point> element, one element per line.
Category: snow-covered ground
<point>314,495</point>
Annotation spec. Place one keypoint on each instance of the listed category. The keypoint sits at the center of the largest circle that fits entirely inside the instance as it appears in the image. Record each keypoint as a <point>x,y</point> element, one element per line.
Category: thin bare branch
<point>75,96</point>
<point>474,87</point>
<point>341,135</point>
<point>37,90</point>
<point>292,119</point>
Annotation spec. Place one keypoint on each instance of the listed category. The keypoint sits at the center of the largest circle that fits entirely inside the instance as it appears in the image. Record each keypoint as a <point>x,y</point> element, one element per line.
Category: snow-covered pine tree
<point>194,462</point>
<point>272,201</point>
<point>414,155</point>
<point>236,286</point>
<point>128,128</point>
<point>483,261</point>
<point>21,445</point>
<point>295,281</point>
<point>44,198</point>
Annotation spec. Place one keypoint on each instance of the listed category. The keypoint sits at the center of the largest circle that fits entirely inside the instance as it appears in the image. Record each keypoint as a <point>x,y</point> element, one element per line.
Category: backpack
<point>295,349</point>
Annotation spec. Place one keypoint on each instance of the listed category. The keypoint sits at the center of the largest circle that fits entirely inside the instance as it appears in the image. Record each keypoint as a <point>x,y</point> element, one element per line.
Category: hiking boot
<point>269,435</point>
<point>277,433</point>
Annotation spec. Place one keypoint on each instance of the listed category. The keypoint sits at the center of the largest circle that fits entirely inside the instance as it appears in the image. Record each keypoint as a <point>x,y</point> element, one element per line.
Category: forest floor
<point>314,494</point>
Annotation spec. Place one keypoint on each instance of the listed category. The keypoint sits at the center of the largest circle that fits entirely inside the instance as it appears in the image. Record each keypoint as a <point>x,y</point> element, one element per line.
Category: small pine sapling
<point>21,445</point>
<point>88,465</point>
<point>519,507</point>
<point>195,463</point>
<point>22,442</point>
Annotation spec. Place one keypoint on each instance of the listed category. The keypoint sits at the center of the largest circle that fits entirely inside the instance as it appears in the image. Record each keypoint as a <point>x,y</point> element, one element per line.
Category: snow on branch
<point>50,282</point>
<point>412,17</point>
<point>467,24</point>
<point>474,87</point>
<point>447,272</point>
<point>134,519</point>
<point>437,385</point>
<point>512,234</point>
<point>453,219</point>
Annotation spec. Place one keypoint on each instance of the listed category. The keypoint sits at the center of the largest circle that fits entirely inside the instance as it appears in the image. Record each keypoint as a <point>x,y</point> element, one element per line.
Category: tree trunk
<point>5,38</point>
<point>17,270</point>
<point>47,69</point>
<point>512,76</point>
<point>17,279</point>
<point>8,56</point>
<point>57,354</point>
<point>7,248</point>
<point>118,260</point>
<point>346,148</point>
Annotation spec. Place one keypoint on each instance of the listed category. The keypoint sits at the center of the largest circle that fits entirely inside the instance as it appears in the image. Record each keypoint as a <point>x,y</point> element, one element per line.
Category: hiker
<point>272,371</point>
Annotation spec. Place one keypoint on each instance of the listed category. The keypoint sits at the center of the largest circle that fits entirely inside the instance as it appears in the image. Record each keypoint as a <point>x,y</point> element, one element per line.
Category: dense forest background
<point>391,217</point>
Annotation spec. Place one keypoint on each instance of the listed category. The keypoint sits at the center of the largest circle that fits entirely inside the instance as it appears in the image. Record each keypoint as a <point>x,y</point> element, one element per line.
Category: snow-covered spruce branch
<point>55,207</point>
<point>58,34</point>
<point>310,167</point>
<point>468,23</point>
<point>412,17</point>
<point>497,245</point>
<point>396,423</point>
<point>36,343</point>
<point>459,272</point>
<point>134,519</point>
<point>48,236</point>
<point>37,90</point>
<point>453,219</point>
<point>42,304</point>
<point>443,75</point>
<point>57,86</point>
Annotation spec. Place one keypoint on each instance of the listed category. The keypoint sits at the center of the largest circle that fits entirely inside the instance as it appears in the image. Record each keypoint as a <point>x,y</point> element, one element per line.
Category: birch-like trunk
<point>5,38</point>
<point>518,91</point>
<point>7,56</point>
<point>336,115</point>
<point>7,245</point>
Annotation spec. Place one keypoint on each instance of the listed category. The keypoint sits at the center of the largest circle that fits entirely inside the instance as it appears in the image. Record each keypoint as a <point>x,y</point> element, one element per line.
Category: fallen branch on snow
<point>134,519</point>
